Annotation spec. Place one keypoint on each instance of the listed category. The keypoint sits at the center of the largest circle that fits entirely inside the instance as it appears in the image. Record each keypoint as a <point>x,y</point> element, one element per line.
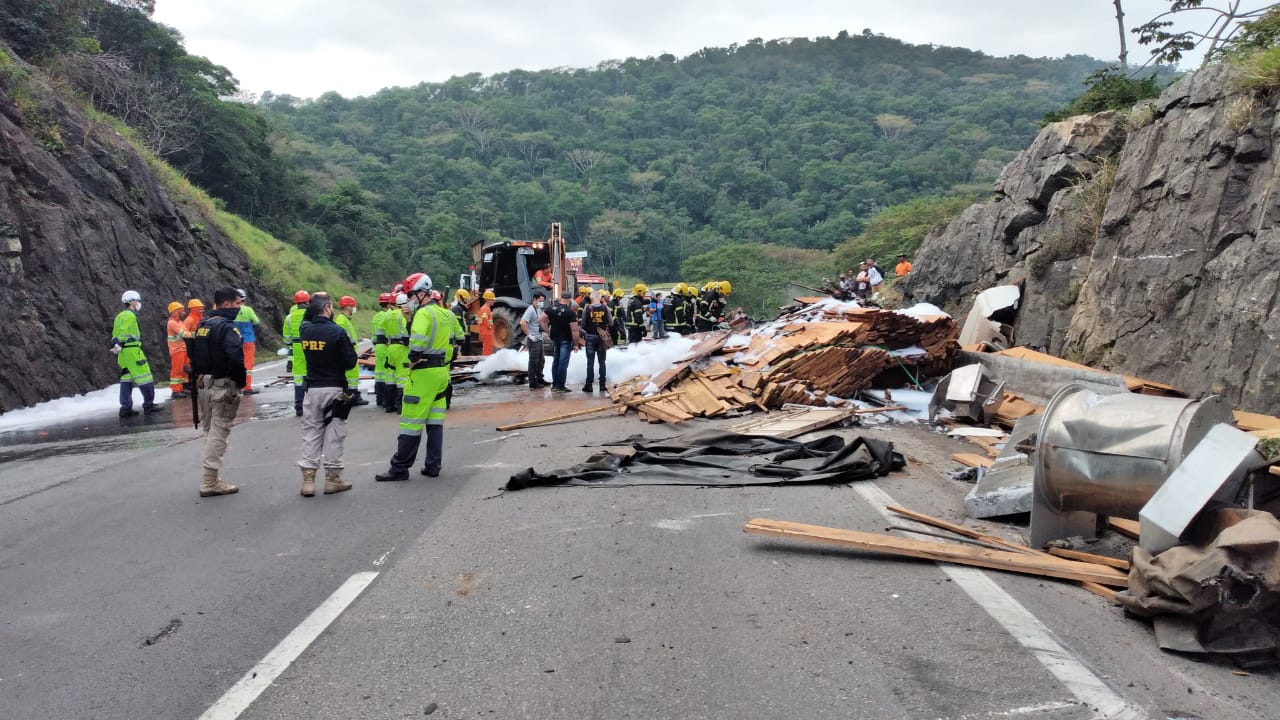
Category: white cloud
<point>308,47</point>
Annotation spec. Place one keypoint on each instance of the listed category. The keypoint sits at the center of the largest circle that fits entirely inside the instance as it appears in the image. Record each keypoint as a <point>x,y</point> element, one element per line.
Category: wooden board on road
<point>1010,561</point>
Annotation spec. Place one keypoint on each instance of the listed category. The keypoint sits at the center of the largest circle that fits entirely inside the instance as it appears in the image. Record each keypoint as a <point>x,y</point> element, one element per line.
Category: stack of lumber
<point>823,359</point>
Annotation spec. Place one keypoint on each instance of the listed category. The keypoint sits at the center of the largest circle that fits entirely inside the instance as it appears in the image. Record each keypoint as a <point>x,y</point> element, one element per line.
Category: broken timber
<point>1009,561</point>
<point>579,413</point>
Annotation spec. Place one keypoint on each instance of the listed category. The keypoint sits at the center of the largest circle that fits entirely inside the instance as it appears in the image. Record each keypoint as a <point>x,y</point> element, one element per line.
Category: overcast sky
<point>356,47</point>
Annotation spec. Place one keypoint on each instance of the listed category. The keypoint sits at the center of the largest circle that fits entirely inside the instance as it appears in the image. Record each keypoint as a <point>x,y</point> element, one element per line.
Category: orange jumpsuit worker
<point>176,334</point>
<point>542,278</point>
<point>195,313</point>
<point>484,323</point>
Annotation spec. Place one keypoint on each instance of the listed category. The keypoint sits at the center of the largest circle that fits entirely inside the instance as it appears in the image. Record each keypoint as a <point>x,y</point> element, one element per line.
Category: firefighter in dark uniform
<point>635,314</point>
<point>327,402</point>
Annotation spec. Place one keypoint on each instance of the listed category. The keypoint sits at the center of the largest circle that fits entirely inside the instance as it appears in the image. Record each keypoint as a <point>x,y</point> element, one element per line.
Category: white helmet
<point>417,282</point>
<point>130,296</point>
<point>402,299</point>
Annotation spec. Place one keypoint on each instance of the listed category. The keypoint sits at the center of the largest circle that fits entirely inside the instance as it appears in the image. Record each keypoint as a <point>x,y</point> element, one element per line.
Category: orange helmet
<point>346,301</point>
<point>302,296</point>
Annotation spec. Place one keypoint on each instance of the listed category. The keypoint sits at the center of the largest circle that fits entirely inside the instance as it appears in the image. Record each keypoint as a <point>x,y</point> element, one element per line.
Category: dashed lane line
<point>260,676</point>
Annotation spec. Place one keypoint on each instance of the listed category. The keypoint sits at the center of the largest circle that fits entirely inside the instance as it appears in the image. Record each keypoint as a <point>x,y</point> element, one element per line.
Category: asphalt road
<point>125,595</point>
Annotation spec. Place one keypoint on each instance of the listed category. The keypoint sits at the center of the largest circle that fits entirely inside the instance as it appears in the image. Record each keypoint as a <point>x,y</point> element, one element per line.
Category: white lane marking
<point>383,559</point>
<point>1015,712</point>
<point>684,523</point>
<point>1032,634</point>
<point>260,676</point>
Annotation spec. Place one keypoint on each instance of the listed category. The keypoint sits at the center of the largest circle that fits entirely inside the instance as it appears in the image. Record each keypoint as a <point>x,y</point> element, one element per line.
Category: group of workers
<point>415,340</point>
<point>685,309</point>
<point>865,282</point>
<point>180,329</point>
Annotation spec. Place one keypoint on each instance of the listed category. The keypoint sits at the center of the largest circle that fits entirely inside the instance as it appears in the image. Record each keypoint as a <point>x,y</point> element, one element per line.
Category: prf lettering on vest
<point>313,344</point>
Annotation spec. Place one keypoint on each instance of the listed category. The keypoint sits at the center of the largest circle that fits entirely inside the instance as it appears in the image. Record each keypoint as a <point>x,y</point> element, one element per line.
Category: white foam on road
<point>97,402</point>
<point>622,363</point>
<point>241,695</point>
<point>1025,627</point>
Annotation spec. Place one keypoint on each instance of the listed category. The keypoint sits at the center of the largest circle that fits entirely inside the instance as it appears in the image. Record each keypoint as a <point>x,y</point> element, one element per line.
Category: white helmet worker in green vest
<point>126,345</point>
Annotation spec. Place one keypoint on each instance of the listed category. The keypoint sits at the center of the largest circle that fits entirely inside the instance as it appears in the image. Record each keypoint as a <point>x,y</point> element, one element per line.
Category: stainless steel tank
<point>1108,454</point>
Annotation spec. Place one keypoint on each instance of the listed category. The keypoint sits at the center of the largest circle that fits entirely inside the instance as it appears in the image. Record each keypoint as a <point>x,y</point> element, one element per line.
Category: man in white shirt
<point>531,323</point>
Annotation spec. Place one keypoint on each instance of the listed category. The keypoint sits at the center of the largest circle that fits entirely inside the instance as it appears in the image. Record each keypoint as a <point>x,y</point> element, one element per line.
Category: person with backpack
<point>595,329</point>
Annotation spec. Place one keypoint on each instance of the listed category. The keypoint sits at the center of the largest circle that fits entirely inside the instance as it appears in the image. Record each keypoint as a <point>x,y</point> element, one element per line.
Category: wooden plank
<point>973,460</point>
<point>577,413</point>
<point>794,422</point>
<point>1248,421</point>
<point>1128,528</point>
<point>1100,591</point>
<point>1116,563</point>
<point>941,552</point>
<point>961,530</point>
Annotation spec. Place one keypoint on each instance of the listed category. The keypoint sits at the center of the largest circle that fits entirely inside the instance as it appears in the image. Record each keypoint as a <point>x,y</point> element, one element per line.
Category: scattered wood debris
<point>821,357</point>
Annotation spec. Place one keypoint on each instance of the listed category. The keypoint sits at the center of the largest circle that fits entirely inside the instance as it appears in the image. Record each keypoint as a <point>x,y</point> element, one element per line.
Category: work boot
<point>127,412</point>
<point>148,409</point>
<point>360,399</point>
<point>391,476</point>
<point>211,485</point>
<point>333,482</point>
<point>588,388</point>
<point>308,482</point>
<point>602,386</point>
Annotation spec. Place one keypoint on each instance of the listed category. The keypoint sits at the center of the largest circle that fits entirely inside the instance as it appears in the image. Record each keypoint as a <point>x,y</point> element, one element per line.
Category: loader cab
<point>508,268</point>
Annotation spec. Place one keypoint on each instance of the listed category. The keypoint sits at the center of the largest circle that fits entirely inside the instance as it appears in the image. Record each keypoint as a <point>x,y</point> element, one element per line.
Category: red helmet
<point>385,298</point>
<point>302,296</point>
<point>417,282</point>
<point>435,295</point>
<point>346,301</point>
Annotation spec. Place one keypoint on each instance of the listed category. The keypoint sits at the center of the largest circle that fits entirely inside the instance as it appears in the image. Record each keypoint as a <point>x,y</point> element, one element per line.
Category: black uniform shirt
<point>329,352</point>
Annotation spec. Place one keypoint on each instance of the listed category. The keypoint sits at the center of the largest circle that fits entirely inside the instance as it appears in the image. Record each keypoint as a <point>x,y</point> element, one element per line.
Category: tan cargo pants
<point>320,440</point>
<point>219,402</point>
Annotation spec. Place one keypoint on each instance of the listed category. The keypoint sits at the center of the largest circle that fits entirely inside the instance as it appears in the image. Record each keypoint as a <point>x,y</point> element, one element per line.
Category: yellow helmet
<point>678,288</point>
<point>488,295</point>
<point>640,289</point>
<point>175,305</point>
<point>584,289</point>
<point>462,294</point>
<point>725,287</point>
<point>617,293</point>
<point>691,290</point>
<point>195,303</point>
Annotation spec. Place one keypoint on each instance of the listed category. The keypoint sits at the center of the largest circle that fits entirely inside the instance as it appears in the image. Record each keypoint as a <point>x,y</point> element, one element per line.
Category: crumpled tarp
<point>1220,598</point>
<point>719,458</point>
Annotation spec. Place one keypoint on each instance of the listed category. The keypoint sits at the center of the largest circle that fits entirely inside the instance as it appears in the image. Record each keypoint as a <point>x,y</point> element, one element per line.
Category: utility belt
<point>131,344</point>
<point>380,340</point>
<point>428,359</point>
<point>398,341</point>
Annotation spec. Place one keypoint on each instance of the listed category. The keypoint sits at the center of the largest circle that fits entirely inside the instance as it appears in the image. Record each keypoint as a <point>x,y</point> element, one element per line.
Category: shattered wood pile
<point>816,357</point>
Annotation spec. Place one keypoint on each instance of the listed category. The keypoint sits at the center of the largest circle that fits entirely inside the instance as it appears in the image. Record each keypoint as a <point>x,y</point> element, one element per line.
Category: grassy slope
<point>280,266</point>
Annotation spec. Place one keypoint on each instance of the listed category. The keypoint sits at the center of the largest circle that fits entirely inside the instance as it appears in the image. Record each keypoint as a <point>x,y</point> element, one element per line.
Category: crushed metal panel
<point>1214,466</point>
<point>1006,488</point>
<point>977,327</point>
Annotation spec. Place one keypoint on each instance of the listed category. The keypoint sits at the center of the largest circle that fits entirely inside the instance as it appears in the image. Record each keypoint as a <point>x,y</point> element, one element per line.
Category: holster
<point>339,407</point>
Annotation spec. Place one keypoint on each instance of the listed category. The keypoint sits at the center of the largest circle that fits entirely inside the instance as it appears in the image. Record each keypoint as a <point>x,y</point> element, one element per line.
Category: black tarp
<point>719,458</point>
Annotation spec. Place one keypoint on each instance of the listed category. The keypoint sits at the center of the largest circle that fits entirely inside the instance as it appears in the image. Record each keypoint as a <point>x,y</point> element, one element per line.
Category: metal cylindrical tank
<point>1108,454</point>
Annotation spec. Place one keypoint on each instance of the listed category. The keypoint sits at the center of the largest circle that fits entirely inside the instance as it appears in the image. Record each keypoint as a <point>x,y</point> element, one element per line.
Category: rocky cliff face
<point>1147,243</point>
<point>83,218</point>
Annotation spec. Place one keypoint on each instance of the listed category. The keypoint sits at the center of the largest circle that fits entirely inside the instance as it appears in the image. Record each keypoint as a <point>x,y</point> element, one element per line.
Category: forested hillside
<point>663,168</point>
<point>649,162</point>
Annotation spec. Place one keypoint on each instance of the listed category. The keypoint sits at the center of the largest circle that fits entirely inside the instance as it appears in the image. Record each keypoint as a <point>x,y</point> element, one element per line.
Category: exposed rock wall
<point>80,222</point>
<point>1177,279</point>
